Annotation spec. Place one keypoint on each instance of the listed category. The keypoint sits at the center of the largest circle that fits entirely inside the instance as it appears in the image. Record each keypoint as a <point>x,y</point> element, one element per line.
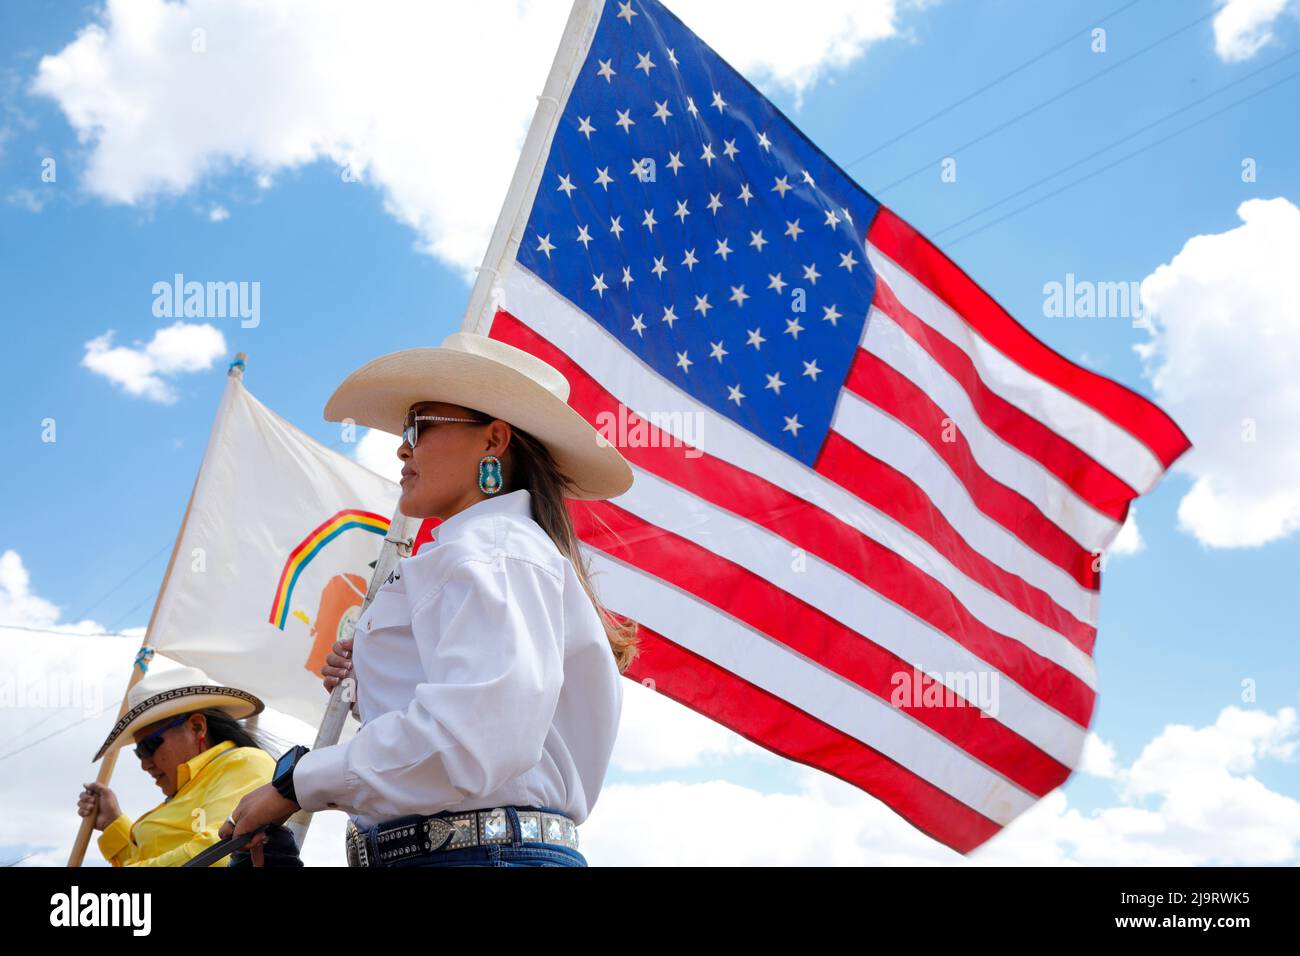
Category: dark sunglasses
<point>150,744</point>
<point>411,427</point>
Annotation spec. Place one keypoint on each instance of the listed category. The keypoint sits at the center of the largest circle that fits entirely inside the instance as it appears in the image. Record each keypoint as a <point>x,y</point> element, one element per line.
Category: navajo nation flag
<point>868,507</point>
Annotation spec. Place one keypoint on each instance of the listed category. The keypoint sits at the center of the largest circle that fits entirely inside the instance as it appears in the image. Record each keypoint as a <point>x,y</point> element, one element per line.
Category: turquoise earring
<point>489,474</point>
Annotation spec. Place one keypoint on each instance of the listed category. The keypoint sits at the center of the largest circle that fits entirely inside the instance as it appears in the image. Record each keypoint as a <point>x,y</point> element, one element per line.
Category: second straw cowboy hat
<point>169,693</point>
<point>494,378</point>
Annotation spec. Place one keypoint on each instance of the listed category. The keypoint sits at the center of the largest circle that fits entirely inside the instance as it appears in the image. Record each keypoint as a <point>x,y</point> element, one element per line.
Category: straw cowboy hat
<point>494,378</point>
<point>169,693</point>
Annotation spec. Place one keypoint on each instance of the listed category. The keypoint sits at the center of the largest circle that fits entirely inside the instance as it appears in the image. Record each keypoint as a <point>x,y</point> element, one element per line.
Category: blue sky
<point>346,272</point>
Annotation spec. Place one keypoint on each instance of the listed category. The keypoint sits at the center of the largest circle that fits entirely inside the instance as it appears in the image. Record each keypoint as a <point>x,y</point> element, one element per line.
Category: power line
<point>1112,145</point>
<point>992,83</point>
<point>1047,102</point>
<point>50,630</point>
<point>80,615</point>
<point>41,740</point>
<point>1122,159</point>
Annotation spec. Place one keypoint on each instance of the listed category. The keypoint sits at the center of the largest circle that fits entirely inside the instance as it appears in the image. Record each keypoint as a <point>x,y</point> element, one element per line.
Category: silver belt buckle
<point>355,842</point>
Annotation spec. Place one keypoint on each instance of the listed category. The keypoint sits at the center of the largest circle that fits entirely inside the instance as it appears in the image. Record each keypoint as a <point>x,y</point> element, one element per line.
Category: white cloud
<point>411,96</point>
<point>218,214</point>
<point>1129,539</point>
<point>1222,361</point>
<point>18,605</point>
<point>1243,27</point>
<point>378,451</point>
<point>181,347</point>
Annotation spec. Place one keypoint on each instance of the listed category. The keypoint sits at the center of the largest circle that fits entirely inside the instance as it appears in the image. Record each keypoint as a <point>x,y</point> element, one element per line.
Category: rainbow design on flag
<point>312,545</point>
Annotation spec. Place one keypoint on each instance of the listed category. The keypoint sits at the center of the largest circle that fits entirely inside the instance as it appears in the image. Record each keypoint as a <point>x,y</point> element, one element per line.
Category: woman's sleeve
<point>491,645</point>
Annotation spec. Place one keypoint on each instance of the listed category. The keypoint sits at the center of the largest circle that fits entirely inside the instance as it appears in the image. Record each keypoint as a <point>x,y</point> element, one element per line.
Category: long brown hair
<point>530,466</point>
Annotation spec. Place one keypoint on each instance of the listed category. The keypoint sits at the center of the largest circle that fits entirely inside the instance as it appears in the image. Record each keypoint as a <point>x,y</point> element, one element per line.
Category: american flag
<point>868,505</point>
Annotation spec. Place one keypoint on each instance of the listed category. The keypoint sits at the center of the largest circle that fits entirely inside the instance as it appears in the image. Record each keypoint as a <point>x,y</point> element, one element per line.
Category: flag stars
<point>793,230</point>
<point>724,249</point>
<point>670,316</point>
<point>739,295</point>
<point>662,112</point>
<point>702,305</point>
<point>718,352</point>
<point>715,202</point>
<point>690,261</point>
<point>729,149</point>
<point>848,217</point>
<point>683,362</point>
<point>641,169</point>
<point>774,382</point>
<point>599,286</point>
<point>755,338</point>
<point>638,324</point>
<point>566,186</point>
<point>625,12</point>
<point>831,314</point>
<point>616,226</point>
<point>659,268</point>
<point>585,127</point>
<point>832,219</point>
<point>672,56</point>
<point>708,155</point>
<point>603,178</point>
<point>627,278</point>
<point>811,370</point>
<point>792,425</point>
<point>544,245</point>
<point>757,241</point>
<point>718,102</point>
<point>625,120</point>
<point>649,220</point>
<point>682,212</point>
<point>764,142</point>
<point>675,162</point>
<point>782,186</point>
<point>691,107</point>
<point>734,394</point>
<point>811,274</point>
<point>847,261</point>
<point>807,178</point>
<point>643,62</point>
<point>745,195</point>
<point>777,283</point>
<point>793,328</point>
<point>584,237</point>
<point>607,70</point>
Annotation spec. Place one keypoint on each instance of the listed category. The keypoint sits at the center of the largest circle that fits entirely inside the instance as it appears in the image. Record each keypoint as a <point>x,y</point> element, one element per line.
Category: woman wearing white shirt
<point>487,671</point>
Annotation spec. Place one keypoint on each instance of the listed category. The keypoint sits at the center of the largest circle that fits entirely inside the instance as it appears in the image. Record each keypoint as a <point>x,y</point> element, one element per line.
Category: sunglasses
<point>150,744</point>
<point>411,427</point>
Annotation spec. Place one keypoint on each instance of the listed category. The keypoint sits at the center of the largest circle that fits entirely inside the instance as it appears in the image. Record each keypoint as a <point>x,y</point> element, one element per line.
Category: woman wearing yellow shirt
<point>188,738</point>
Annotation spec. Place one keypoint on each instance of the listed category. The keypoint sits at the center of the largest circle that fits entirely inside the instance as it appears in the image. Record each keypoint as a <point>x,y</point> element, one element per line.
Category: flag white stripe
<point>838,702</point>
<point>1101,439</point>
<point>847,600</point>
<point>1003,462</point>
<point>626,377</point>
<point>882,436</point>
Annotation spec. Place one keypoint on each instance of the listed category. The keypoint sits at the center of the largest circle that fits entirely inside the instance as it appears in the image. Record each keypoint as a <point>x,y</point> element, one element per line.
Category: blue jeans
<point>515,853</point>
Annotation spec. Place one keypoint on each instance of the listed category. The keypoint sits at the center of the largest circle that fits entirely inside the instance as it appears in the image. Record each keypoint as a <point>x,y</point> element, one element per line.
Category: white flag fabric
<point>274,557</point>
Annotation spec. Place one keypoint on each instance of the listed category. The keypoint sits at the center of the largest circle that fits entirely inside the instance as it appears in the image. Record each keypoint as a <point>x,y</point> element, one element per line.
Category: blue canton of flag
<point>686,215</point>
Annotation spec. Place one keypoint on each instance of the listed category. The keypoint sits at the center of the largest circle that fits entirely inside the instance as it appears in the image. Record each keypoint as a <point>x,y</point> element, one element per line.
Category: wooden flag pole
<point>146,652</point>
<point>584,17</point>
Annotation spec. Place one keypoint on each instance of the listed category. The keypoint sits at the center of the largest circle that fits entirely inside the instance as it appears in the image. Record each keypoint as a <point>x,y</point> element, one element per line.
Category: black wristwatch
<point>283,779</point>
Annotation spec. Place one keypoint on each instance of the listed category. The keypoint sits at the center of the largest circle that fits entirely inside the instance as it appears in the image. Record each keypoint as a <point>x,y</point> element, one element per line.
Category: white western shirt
<point>483,678</point>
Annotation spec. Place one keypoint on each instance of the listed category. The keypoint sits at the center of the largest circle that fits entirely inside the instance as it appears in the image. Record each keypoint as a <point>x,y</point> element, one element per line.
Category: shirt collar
<point>514,502</point>
<point>194,766</point>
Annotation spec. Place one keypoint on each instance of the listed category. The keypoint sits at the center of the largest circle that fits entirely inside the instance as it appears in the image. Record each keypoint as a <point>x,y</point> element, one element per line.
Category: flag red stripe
<point>749,598</point>
<point>878,383</point>
<point>1091,481</point>
<point>1125,408</point>
<point>817,532</point>
<point>888,489</point>
<point>777,725</point>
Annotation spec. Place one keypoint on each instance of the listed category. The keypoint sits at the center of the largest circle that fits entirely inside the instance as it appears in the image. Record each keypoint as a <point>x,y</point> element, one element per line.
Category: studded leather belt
<point>406,837</point>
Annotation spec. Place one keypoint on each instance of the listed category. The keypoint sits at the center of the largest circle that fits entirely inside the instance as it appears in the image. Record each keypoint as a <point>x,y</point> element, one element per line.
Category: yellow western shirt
<point>208,788</point>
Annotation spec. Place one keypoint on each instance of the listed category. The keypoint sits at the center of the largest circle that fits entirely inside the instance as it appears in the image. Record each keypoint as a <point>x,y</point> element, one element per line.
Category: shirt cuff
<point>319,779</point>
<point>115,837</point>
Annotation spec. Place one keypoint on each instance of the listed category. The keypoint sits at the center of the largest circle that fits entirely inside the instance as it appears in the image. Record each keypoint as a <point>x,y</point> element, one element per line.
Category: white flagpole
<point>584,17</point>
<point>141,663</point>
